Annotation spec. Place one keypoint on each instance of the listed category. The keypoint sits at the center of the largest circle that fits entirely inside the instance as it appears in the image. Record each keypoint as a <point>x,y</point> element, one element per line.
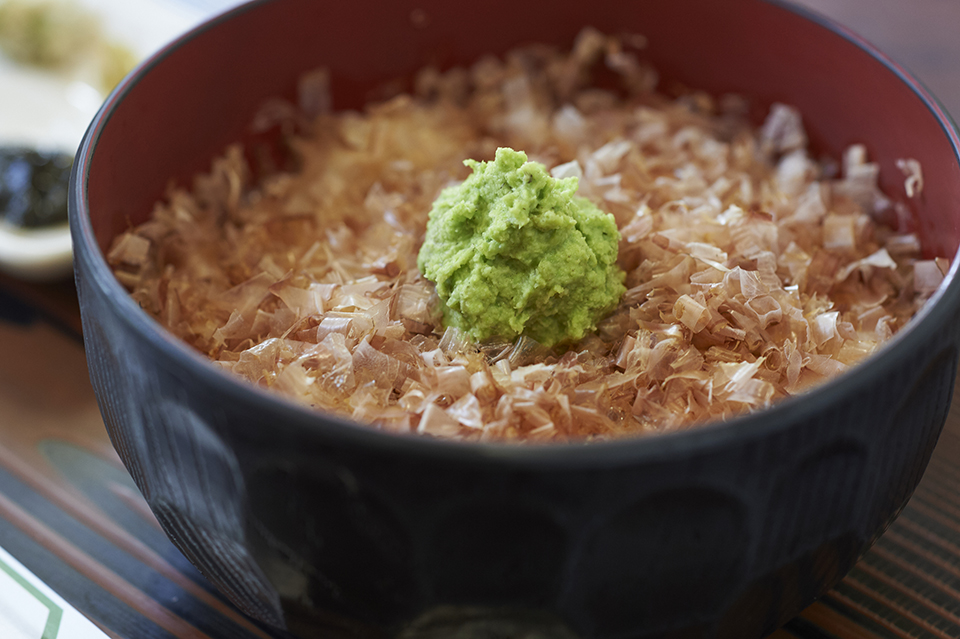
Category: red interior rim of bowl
<point>124,109</point>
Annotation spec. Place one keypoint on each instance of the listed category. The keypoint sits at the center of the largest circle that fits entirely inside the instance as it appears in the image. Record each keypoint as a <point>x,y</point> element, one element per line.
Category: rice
<point>754,272</point>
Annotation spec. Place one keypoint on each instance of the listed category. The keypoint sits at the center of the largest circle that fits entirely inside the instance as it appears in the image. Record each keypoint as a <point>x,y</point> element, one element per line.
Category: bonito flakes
<point>754,272</point>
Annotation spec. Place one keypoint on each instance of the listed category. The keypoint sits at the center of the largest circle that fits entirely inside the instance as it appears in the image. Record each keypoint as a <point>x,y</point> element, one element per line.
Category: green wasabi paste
<point>513,251</point>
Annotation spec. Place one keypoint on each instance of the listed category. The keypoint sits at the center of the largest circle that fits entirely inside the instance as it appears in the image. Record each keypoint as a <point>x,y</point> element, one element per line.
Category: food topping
<point>753,271</point>
<point>514,251</point>
<point>61,34</point>
<point>33,187</point>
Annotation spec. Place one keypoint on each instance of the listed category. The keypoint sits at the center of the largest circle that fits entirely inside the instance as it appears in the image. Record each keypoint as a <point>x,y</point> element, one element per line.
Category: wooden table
<point>70,514</point>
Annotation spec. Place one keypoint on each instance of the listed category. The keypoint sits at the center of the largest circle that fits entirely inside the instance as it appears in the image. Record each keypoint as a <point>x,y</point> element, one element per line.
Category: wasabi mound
<point>513,251</point>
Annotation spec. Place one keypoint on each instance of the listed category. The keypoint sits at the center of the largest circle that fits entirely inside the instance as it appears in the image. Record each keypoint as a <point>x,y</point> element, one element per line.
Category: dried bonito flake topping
<point>753,271</point>
<point>513,252</point>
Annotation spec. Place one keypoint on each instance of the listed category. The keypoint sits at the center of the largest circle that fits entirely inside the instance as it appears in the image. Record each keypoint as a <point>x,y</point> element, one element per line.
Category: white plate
<point>50,111</point>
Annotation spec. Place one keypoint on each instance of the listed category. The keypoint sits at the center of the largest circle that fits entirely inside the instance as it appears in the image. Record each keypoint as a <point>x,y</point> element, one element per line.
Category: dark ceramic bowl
<point>331,529</point>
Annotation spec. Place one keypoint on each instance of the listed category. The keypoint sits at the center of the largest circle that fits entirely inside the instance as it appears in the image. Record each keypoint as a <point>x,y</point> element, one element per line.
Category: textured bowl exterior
<point>330,529</point>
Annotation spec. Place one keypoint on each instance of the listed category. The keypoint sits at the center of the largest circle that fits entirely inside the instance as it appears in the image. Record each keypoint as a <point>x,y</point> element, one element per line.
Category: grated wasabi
<point>514,251</point>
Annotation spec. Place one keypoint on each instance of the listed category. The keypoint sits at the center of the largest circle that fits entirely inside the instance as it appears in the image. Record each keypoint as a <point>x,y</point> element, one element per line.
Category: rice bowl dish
<point>754,271</point>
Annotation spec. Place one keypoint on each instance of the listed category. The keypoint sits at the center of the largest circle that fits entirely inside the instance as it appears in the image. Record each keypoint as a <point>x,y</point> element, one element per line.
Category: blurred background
<point>922,35</point>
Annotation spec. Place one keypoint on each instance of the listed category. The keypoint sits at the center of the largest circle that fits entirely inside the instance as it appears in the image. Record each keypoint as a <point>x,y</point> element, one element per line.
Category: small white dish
<point>36,254</point>
<point>50,111</point>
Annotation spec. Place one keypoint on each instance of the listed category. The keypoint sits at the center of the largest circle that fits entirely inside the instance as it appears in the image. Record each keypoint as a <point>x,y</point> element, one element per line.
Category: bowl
<point>322,527</point>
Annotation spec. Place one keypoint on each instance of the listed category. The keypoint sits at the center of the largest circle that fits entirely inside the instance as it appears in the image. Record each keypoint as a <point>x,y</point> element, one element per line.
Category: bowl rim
<point>938,310</point>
